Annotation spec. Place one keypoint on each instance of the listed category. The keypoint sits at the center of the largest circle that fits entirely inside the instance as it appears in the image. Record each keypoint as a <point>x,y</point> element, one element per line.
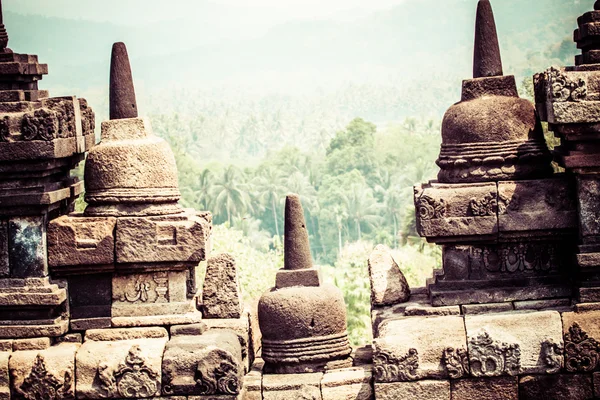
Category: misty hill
<point>316,75</point>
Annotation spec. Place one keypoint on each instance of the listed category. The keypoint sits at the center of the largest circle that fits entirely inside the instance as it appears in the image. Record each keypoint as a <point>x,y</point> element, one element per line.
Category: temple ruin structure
<point>513,312</point>
<point>125,301</point>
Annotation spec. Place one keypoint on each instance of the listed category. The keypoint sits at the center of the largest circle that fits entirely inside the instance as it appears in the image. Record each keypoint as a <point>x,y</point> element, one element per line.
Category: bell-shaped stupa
<point>491,133</point>
<point>303,321</point>
<point>131,171</point>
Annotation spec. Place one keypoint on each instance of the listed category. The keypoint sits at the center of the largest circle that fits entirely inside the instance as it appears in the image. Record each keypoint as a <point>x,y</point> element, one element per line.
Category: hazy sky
<point>144,11</point>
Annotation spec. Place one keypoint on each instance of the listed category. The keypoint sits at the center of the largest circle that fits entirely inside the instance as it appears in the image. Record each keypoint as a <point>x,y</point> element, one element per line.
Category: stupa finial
<point>3,33</point>
<point>296,244</point>
<point>486,57</point>
<point>122,92</point>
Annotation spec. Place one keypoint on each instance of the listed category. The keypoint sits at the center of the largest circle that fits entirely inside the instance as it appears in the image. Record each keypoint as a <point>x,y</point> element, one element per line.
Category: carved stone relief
<point>552,355</point>
<point>581,351</point>
<point>388,368</point>
<point>489,357</point>
<point>456,362</point>
<point>430,208</point>
<point>41,125</point>
<point>43,384</point>
<point>562,88</point>
<point>132,379</point>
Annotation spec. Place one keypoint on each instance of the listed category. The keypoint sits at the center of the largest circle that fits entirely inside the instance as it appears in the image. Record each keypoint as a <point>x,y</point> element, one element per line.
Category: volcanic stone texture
<point>388,284</point>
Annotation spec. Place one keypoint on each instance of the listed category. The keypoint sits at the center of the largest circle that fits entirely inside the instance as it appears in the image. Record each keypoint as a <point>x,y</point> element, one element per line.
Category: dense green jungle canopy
<point>344,110</point>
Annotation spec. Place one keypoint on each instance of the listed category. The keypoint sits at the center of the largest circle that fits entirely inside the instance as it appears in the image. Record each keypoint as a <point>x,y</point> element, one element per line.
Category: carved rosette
<point>42,384</point>
<point>132,379</point>
<point>429,208</point>
<point>388,368</point>
<point>488,357</point>
<point>581,351</point>
<point>456,362</point>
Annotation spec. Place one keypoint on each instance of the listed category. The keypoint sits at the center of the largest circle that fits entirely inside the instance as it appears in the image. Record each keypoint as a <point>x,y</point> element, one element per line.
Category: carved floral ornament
<point>388,368</point>
<point>429,208</point>
<point>581,351</point>
<point>560,87</point>
<point>517,257</point>
<point>132,379</point>
<point>491,205</point>
<point>43,384</point>
<point>489,357</point>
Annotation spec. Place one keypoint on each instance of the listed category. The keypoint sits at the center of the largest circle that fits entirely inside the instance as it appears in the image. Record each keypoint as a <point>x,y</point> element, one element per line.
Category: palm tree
<point>201,190</point>
<point>362,207</point>
<point>229,194</point>
<point>270,189</point>
<point>341,215</point>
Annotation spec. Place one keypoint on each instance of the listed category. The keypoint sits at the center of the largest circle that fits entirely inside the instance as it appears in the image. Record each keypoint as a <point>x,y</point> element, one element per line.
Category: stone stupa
<point>302,320</point>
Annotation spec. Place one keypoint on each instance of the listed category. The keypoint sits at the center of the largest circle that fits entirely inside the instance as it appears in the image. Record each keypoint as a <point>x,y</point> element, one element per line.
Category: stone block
<point>583,112</point>
<point>428,310</point>
<point>503,388</point>
<point>162,238</point>
<point>192,317</point>
<point>487,308</point>
<point>582,341</point>
<point>515,343</point>
<point>121,363</point>
<point>83,324</point>
<point>347,384</point>
<point>542,304</point>
<point>6,345</point>
<point>74,240</point>
<point>41,343</point>
<point>27,246</point>
<point>293,386</point>
<point>207,364</point>
<point>4,257</point>
<point>188,330</point>
<point>45,374</point>
<point>4,376</point>
<point>251,387</point>
<point>454,211</point>
<point>420,348</point>
<point>420,390</point>
<point>90,296</point>
<point>27,329</point>
<point>150,294</point>
<point>299,277</point>
<point>588,188</point>
<point>542,205</point>
<point>556,387</point>
<point>70,338</point>
<point>388,284</point>
<point>221,294</point>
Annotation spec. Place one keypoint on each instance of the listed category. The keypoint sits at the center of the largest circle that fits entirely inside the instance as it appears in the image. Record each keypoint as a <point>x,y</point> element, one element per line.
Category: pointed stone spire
<point>486,58</point>
<point>296,244</point>
<point>3,33</point>
<point>122,93</point>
